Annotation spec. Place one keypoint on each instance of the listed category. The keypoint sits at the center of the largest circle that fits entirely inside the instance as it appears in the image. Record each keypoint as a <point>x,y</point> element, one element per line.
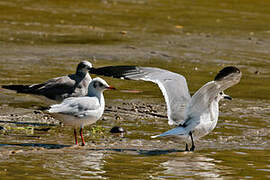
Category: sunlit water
<point>44,39</point>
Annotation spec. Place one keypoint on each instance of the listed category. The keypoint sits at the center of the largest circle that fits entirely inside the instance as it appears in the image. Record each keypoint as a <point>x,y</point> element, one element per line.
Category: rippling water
<point>44,39</point>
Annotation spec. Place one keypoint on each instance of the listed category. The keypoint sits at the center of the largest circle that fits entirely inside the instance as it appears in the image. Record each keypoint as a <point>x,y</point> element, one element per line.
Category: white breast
<point>208,121</point>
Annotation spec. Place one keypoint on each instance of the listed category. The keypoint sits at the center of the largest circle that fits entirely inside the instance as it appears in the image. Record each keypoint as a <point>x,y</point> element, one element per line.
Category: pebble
<point>15,151</point>
<point>117,129</point>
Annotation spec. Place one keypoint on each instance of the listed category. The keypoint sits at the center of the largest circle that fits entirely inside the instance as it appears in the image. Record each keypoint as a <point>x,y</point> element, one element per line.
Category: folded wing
<point>76,106</point>
<point>56,88</point>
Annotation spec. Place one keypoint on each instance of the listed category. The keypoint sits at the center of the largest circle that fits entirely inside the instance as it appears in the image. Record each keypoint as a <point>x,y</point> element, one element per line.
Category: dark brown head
<point>226,72</point>
<point>84,67</point>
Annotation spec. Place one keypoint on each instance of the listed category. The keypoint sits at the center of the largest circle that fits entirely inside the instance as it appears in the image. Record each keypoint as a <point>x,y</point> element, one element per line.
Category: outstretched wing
<point>173,86</point>
<point>202,99</point>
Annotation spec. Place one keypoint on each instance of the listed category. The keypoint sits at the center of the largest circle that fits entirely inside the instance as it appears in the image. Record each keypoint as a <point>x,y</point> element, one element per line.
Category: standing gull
<point>81,111</point>
<point>59,88</point>
<point>194,116</point>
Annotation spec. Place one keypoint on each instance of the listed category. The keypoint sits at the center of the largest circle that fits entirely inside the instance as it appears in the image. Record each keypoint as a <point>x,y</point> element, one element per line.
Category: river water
<point>44,39</point>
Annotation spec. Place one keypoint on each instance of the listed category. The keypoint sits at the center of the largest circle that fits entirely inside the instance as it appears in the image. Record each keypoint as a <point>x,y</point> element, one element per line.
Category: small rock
<point>117,117</point>
<point>105,118</point>
<point>117,129</point>
<point>123,32</point>
<point>37,112</point>
<point>15,151</point>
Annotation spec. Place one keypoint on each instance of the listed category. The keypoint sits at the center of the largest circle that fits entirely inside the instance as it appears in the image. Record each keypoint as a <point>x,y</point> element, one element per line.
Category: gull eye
<point>100,84</point>
<point>220,93</point>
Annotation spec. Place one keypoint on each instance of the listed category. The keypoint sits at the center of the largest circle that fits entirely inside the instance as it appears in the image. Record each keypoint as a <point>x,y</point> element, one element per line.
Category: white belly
<point>78,122</point>
<point>207,123</point>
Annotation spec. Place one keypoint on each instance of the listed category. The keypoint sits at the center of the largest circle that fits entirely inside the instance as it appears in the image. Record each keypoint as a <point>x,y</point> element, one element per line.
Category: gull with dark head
<point>59,88</point>
<point>82,111</point>
<point>194,116</point>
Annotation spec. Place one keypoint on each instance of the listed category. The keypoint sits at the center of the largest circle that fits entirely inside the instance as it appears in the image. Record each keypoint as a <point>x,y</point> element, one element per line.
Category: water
<point>44,39</point>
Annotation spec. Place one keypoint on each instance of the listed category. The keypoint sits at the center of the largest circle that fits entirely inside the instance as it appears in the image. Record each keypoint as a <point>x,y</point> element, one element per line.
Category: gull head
<point>231,73</point>
<point>99,85</point>
<point>226,78</point>
<point>222,95</point>
<point>84,66</point>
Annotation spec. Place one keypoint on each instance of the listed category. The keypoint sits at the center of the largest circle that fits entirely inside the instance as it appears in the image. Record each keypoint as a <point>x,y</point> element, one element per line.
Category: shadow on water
<point>46,146</point>
<point>141,152</point>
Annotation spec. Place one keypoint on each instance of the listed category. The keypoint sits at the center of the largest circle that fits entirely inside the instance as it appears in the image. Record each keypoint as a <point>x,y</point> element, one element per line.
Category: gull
<point>59,88</point>
<point>82,111</point>
<point>194,116</point>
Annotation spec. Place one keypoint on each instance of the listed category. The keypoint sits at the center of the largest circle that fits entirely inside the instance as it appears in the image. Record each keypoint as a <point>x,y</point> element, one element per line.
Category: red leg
<point>75,135</point>
<point>83,143</point>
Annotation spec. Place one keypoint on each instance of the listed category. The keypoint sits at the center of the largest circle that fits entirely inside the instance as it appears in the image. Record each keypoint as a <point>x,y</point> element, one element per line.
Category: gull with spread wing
<point>194,116</point>
<point>59,88</point>
<point>82,111</point>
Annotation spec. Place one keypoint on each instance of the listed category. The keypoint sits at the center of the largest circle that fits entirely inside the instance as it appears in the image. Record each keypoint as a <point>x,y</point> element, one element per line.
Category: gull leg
<point>81,133</point>
<point>192,145</point>
<point>75,135</point>
<point>186,147</point>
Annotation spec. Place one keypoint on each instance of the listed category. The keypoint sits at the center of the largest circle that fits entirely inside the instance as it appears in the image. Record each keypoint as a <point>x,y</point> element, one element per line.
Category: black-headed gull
<point>81,111</point>
<point>195,116</point>
<point>59,88</point>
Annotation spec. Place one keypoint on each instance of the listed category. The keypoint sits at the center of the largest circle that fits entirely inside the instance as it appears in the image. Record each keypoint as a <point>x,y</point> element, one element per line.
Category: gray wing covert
<point>75,105</point>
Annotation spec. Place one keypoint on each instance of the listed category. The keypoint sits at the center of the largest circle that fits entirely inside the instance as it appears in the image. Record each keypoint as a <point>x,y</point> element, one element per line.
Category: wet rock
<point>105,118</point>
<point>117,129</point>
<point>37,112</point>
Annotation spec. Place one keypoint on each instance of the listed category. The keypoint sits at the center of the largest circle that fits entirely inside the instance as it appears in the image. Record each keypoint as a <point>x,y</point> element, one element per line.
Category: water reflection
<point>79,164</point>
<point>190,165</point>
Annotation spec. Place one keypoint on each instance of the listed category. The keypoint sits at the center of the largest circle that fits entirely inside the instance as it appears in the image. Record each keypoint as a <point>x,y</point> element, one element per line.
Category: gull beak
<point>227,97</point>
<point>111,88</point>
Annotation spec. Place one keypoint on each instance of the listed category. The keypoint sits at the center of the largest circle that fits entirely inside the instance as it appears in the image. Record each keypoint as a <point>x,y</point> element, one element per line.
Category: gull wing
<point>172,85</point>
<point>202,99</point>
<point>76,106</point>
<point>56,88</point>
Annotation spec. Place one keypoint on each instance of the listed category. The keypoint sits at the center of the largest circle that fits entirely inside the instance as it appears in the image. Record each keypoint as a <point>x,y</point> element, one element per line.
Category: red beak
<point>111,88</point>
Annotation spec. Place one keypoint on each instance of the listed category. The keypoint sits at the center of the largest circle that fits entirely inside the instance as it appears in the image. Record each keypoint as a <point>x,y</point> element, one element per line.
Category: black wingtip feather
<point>18,88</point>
<point>112,71</point>
<point>226,71</point>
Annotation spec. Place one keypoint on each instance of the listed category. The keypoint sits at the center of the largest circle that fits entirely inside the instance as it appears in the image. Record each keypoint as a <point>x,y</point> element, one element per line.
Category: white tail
<point>178,131</point>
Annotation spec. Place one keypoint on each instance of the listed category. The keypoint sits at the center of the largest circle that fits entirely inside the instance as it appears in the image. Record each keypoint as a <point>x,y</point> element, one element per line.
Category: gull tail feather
<point>178,131</point>
<point>34,89</point>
